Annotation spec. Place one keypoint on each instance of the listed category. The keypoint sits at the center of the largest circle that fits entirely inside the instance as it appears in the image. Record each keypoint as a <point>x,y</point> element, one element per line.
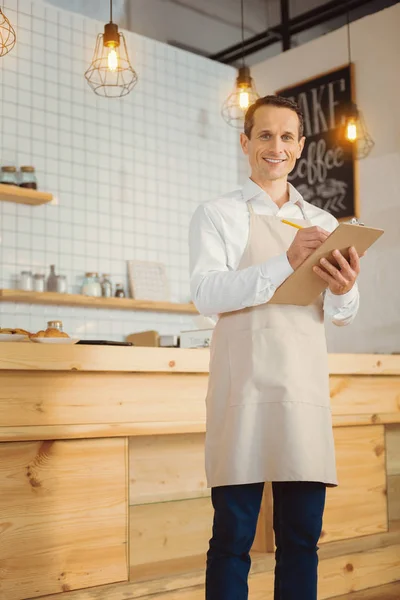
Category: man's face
<point>274,144</point>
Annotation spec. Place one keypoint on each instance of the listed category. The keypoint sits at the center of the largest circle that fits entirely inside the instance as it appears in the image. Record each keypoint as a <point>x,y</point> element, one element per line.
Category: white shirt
<point>218,234</point>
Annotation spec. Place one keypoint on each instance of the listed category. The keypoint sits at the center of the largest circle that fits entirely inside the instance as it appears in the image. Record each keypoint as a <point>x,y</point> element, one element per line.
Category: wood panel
<point>28,356</point>
<point>105,430</point>
<point>358,395</point>
<point>169,530</point>
<point>364,364</point>
<point>393,449</point>
<point>173,580</point>
<point>384,592</point>
<point>339,575</point>
<point>53,398</point>
<point>264,540</point>
<point>394,498</point>
<point>358,506</point>
<point>350,573</point>
<point>55,299</point>
<point>63,516</point>
<point>37,357</point>
<point>166,467</point>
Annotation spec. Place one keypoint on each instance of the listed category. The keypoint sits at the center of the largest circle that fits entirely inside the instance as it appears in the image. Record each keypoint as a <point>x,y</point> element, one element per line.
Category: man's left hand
<point>340,281</point>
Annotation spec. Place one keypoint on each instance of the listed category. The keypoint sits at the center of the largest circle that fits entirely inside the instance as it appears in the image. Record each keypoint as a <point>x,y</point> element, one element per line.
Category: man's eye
<point>286,137</point>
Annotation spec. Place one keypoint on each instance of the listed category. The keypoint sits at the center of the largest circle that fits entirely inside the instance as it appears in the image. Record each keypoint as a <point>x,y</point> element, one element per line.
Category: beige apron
<point>268,404</point>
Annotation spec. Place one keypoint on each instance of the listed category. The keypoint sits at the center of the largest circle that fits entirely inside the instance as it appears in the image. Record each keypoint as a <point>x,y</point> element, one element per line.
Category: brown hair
<point>278,101</point>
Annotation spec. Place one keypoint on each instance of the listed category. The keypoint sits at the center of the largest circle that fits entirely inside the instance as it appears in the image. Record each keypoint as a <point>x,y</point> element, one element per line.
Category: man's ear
<point>302,141</point>
<point>244,142</point>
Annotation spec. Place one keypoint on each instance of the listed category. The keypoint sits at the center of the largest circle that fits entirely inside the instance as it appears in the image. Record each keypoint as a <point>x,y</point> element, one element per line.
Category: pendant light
<point>355,130</point>
<point>7,35</point>
<point>110,73</point>
<point>244,94</point>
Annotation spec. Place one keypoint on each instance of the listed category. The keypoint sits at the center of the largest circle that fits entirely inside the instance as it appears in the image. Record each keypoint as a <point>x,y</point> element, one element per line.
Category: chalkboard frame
<point>354,161</point>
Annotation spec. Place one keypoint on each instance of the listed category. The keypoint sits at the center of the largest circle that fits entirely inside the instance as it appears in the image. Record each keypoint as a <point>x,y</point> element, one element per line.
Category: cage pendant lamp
<point>244,94</point>
<point>7,35</point>
<point>110,73</point>
<point>355,128</point>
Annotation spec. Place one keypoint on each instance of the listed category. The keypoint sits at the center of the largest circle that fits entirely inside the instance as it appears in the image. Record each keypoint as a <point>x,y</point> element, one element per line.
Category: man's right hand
<point>304,244</point>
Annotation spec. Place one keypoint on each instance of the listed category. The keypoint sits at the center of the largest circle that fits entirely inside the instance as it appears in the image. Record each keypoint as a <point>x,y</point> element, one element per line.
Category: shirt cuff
<point>276,269</point>
<point>337,301</point>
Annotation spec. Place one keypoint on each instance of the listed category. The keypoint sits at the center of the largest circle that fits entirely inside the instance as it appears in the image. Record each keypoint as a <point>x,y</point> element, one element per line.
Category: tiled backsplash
<point>126,173</point>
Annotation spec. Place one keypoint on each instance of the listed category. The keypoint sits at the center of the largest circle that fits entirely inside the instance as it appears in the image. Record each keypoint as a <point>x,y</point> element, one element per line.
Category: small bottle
<point>38,282</point>
<point>26,281</point>
<point>106,287</point>
<point>27,178</point>
<point>119,291</point>
<point>8,175</point>
<point>51,285</point>
<point>55,325</point>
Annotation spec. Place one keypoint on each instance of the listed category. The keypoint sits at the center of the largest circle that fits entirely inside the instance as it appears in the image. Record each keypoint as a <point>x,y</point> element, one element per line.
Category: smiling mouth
<point>274,161</point>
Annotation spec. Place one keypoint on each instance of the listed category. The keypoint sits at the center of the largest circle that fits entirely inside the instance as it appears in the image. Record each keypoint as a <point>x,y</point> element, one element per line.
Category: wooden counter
<point>102,484</point>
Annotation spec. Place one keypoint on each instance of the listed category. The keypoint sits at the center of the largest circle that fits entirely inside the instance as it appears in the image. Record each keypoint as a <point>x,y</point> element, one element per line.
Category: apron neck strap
<point>303,212</point>
<point>250,207</point>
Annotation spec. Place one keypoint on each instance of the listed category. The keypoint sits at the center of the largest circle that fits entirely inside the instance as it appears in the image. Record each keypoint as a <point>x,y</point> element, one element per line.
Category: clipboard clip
<point>355,221</point>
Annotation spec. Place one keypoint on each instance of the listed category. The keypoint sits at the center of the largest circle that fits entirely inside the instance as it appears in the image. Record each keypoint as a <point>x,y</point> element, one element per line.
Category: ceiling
<point>208,27</point>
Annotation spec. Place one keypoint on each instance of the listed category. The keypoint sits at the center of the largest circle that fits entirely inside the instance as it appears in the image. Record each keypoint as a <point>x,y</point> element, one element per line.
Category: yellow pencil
<point>292,224</point>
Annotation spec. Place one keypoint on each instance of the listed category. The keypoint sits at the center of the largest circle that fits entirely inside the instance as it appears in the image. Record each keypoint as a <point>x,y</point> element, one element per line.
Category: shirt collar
<point>251,190</point>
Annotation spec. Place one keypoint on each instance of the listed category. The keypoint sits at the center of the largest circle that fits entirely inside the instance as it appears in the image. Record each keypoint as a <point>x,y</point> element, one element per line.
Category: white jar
<point>91,285</point>
<point>26,281</point>
<point>38,282</point>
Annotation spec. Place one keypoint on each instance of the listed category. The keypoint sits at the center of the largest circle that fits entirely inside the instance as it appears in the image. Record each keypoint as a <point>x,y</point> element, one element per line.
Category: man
<point>268,405</point>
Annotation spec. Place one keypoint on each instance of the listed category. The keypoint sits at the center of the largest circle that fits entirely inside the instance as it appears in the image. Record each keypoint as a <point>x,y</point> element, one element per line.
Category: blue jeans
<point>297,520</point>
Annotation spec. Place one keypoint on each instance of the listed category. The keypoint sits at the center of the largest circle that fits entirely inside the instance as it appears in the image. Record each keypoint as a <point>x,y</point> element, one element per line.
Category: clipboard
<point>304,286</point>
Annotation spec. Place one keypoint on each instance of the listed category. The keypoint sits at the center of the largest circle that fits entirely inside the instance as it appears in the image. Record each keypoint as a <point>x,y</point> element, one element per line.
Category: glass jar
<point>61,284</point>
<point>26,281</point>
<point>55,325</point>
<point>106,287</point>
<point>27,178</point>
<point>38,282</point>
<point>8,176</point>
<point>91,285</point>
<point>119,291</point>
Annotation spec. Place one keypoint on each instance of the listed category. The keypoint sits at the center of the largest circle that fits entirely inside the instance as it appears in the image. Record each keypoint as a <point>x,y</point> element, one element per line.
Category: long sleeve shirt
<point>218,234</point>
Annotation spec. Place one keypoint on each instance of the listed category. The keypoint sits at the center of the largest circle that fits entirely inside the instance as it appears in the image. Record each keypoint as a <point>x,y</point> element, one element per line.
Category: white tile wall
<point>127,173</point>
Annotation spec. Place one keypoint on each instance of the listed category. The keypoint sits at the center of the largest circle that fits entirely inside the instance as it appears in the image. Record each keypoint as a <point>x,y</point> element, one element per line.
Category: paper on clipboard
<point>304,286</point>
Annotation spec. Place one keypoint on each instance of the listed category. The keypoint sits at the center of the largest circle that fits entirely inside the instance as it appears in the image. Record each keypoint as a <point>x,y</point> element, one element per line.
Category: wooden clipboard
<point>304,286</point>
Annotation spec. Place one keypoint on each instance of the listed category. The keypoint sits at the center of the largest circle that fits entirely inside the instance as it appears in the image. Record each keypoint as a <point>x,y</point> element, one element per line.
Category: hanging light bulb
<point>7,35</point>
<point>112,60</point>
<point>110,73</point>
<point>244,94</point>
<point>355,129</point>
<point>351,129</point>
<point>237,103</point>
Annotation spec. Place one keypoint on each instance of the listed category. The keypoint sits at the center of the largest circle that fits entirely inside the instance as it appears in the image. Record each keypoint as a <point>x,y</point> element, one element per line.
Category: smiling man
<point>268,405</point>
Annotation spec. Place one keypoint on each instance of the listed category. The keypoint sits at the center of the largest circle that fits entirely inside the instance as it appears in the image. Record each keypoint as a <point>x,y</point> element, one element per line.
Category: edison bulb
<point>351,130</point>
<point>112,60</point>
<point>244,99</point>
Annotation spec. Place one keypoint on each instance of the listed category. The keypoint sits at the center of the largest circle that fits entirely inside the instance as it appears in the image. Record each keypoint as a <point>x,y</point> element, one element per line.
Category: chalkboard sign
<point>325,174</point>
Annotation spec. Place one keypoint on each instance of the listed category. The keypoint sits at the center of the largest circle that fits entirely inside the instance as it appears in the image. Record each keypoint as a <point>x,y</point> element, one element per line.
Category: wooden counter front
<point>103,491</point>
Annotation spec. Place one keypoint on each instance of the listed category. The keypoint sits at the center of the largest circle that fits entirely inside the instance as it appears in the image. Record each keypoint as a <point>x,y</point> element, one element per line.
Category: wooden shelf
<point>13,193</point>
<point>53,298</point>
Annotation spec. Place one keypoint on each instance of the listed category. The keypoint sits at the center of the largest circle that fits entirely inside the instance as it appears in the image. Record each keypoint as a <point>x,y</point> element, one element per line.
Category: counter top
<point>29,356</point>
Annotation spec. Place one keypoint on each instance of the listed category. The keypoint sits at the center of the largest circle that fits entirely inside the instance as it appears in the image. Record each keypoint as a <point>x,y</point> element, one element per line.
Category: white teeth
<point>273,160</point>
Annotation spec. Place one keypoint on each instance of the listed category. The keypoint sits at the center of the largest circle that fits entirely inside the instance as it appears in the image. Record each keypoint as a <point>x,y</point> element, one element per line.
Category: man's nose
<point>276,144</point>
